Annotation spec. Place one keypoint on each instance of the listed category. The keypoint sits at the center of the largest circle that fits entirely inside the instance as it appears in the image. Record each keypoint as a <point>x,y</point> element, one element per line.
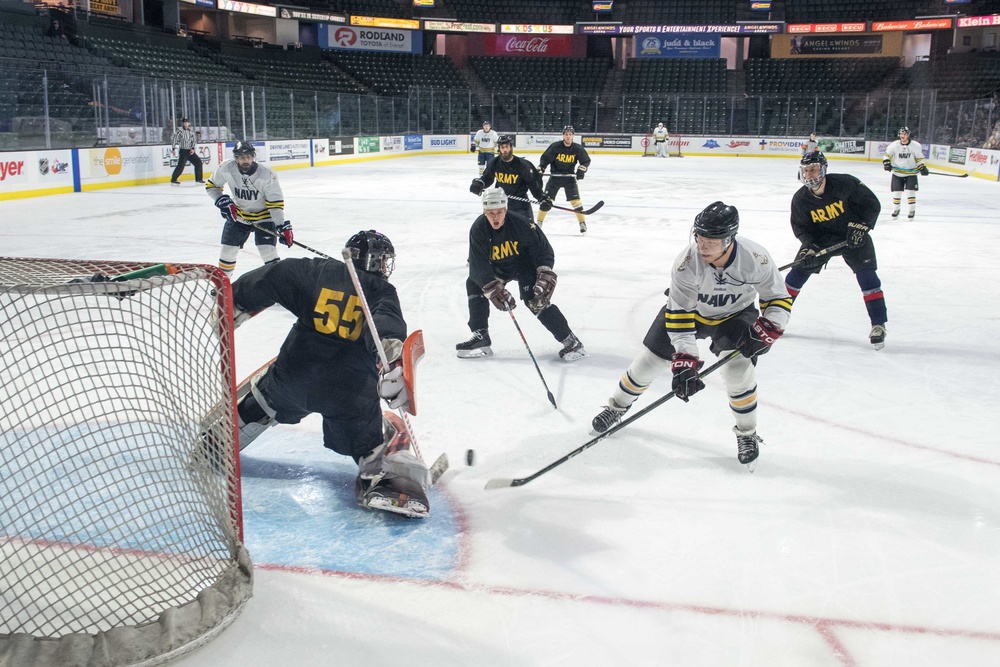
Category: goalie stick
<point>501,483</point>
<point>593,209</point>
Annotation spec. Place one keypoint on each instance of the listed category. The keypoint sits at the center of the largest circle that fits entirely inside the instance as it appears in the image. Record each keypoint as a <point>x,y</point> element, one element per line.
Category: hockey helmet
<point>904,129</point>
<point>493,199</point>
<point>487,123</point>
<point>718,221</point>
<point>185,119</point>
<point>569,128</point>
<point>243,147</point>
<point>372,252</point>
<point>505,139</point>
<point>810,158</point>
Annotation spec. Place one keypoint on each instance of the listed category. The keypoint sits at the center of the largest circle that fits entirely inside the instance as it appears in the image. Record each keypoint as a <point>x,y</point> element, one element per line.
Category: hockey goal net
<point>674,145</point>
<point>120,526</point>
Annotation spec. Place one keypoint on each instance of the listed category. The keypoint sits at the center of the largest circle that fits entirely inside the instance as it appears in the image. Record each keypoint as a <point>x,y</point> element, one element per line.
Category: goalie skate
<point>392,478</point>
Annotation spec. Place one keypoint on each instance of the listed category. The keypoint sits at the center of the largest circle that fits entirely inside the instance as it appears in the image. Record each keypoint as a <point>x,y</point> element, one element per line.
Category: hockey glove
<point>545,204</point>
<point>477,186</point>
<point>391,386</point>
<point>285,234</point>
<point>227,207</point>
<point>924,171</point>
<point>496,292</point>
<point>857,232</point>
<point>807,259</point>
<point>581,171</point>
<point>758,338</point>
<point>886,165</point>
<point>545,285</point>
<point>686,382</point>
<point>472,148</point>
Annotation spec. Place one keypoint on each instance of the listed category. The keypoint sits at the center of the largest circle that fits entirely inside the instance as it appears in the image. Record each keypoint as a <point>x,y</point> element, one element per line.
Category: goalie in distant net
<point>660,137</point>
<point>327,364</point>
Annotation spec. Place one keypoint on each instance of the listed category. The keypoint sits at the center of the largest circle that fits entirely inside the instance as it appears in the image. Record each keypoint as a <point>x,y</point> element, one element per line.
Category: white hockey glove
<point>390,383</point>
<point>240,316</point>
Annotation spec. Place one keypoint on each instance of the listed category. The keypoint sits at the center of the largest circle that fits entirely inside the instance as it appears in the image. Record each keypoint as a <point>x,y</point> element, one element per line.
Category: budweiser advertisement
<point>534,46</point>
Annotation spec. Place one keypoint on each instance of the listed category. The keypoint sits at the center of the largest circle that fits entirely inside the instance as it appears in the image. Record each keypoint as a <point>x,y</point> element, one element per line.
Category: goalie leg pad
<point>391,478</point>
<point>255,416</point>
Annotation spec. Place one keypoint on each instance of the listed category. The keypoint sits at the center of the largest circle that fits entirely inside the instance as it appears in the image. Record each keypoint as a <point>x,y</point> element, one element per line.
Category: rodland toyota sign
<point>535,46</point>
<point>370,39</point>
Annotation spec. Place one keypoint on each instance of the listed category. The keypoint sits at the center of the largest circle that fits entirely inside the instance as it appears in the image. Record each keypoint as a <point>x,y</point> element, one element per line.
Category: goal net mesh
<point>120,527</point>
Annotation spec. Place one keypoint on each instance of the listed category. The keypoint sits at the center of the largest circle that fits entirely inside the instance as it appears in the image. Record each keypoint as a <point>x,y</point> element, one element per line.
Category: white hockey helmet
<point>493,199</point>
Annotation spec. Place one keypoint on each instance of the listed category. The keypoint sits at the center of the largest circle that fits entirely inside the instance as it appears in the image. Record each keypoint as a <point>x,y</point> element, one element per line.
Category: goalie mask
<point>718,221</point>
<point>814,180</point>
<point>372,252</point>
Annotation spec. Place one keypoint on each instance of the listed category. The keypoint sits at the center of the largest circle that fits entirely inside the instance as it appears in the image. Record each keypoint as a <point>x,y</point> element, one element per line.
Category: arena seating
<point>396,73</point>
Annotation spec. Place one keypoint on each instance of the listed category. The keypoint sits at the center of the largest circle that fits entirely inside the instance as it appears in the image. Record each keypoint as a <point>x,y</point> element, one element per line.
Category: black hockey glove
<point>857,232</point>
<point>285,234</point>
<point>545,203</point>
<point>758,338</point>
<point>477,186</point>
<point>472,148</point>
<point>496,292</point>
<point>924,171</point>
<point>886,165</point>
<point>686,382</point>
<point>227,207</point>
<point>581,171</point>
<point>545,285</point>
<point>807,259</point>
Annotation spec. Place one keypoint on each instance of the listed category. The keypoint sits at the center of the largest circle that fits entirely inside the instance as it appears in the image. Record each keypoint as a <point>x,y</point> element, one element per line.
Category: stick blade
<point>499,483</point>
<point>439,467</point>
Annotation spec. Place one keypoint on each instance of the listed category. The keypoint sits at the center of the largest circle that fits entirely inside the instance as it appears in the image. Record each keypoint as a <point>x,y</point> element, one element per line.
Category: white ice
<point>869,534</point>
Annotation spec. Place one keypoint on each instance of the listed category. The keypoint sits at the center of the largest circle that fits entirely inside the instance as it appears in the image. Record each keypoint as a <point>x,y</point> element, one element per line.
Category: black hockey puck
<point>470,457</point>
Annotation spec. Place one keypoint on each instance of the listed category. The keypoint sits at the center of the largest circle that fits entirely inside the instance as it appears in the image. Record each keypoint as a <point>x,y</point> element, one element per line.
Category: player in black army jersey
<point>569,162</point>
<point>503,246</point>
<point>327,364</point>
<point>828,209</point>
<point>515,176</point>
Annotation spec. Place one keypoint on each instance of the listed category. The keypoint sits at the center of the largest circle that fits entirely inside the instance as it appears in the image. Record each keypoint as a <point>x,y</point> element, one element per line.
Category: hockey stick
<point>500,483</point>
<point>941,173</point>
<point>552,399</point>
<point>441,463</point>
<point>593,209</point>
<point>294,242</point>
<point>822,253</point>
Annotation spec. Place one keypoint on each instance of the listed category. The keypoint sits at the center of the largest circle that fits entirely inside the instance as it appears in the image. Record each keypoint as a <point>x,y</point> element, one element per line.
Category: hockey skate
<point>877,336</point>
<point>895,214</point>
<point>583,227</point>
<point>747,447</point>
<point>391,478</point>
<point>572,349</point>
<point>911,215</point>
<point>608,417</point>
<point>475,347</point>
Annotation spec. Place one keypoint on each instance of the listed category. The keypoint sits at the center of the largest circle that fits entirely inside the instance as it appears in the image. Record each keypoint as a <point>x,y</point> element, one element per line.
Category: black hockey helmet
<point>486,122</point>
<point>718,221</point>
<point>372,252</point>
<point>810,158</point>
<point>243,147</point>
<point>904,129</point>
<point>185,119</point>
<point>569,128</point>
<point>505,139</point>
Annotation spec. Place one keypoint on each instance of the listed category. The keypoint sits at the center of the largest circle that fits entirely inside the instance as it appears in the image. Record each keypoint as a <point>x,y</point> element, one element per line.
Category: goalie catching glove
<point>758,338</point>
<point>285,234</point>
<point>227,207</point>
<point>496,292</point>
<point>390,382</point>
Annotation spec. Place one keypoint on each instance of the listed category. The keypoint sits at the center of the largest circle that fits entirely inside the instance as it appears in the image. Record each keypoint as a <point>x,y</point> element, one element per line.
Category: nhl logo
<point>43,165</point>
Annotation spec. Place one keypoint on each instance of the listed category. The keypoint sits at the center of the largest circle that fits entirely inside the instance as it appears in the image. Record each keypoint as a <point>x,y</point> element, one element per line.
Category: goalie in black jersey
<point>570,162</point>
<point>327,364</point>
<point>515,176</point>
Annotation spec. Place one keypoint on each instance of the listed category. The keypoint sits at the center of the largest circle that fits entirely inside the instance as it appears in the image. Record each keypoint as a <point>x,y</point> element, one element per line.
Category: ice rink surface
<point>869,534</point>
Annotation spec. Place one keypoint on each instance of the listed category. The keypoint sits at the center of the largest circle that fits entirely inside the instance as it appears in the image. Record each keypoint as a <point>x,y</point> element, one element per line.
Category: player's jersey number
<point>336,317</point>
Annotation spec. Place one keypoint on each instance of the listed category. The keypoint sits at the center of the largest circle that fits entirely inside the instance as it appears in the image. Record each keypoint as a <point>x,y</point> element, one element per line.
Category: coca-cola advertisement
<point>529,45</point>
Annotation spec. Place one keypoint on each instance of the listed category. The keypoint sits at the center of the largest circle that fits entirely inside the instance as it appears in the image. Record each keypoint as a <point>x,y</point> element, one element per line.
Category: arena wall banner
<point>537,142</point>
<point>117,166</point>
<point>446,143</point>
<point>392,144</point>
<point>367,145</point>
<point>528,45</point>
<point>843,146</point>
<point>355,38</point>
<point>289,154</point>
<point>413,142</point>
<point>610,142</point>
<point>683,45</point>
<point>983,163</point>
<point>36,173</point>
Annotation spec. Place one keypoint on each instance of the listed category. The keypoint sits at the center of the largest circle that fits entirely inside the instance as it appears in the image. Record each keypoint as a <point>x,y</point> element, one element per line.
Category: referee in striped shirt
<point>184,142</point>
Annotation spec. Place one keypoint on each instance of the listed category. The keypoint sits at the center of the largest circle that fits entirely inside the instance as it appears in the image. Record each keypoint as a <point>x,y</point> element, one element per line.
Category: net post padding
<point>121,526</point>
